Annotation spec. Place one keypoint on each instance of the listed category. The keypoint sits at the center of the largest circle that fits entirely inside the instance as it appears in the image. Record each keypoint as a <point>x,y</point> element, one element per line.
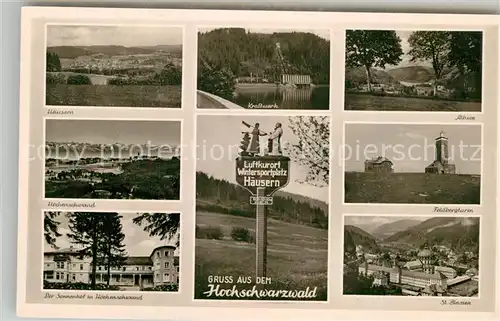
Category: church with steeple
<point>441,165</point>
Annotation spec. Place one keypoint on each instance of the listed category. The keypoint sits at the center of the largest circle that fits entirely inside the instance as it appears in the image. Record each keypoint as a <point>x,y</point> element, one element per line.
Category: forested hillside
<point>354,236</point>
<point>220,196</point>
<point>245,52</point>
<point>457,233</point>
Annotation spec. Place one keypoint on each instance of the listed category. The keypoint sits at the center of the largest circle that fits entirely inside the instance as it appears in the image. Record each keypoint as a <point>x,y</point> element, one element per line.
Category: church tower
<point>442,149</point>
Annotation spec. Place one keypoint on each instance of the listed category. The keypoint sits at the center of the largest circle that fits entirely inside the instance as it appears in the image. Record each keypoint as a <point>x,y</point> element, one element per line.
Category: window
<point>166,264</point>
<point>99,268</point>
<point>166,277</point>
<point>177,269</point>
<point>157,254</point>
<point>124,268</point>
<point>157,277</point>
<point>60,265</point>
<point>166,253</point>
<point>73,277</point>
<point>74,266</point>
<point>81,266</point>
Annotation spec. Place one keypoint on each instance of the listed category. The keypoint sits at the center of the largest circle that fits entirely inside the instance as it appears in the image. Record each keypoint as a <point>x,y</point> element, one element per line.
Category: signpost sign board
<point>262,176</point>
<point>269,172</point>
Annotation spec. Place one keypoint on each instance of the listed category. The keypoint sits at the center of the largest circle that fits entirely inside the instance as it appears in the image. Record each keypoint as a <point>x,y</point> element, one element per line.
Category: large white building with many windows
<point>161,267</point>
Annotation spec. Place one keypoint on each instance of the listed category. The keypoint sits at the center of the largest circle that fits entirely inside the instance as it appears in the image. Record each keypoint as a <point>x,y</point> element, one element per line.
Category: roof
<point>138,260</point>
<point>378,160</point>
<point>445,269</point>
<point>415,263</point>
<point>67,250</point>
<point>435,163</point>
<point>423,275</point>
<point>374,267</point>
<point>413,274</point>
<point>424,253</point>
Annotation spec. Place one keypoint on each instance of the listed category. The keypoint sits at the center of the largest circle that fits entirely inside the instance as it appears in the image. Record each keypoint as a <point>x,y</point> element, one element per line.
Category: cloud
<point>128,36</point>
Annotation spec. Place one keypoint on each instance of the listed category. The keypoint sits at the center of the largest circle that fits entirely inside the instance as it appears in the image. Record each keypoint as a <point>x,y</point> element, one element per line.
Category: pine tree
<point>166,226</point>
<point>50,227</point>
<point>112,247</point>
<point>245,141</point>
<point>87,232</point>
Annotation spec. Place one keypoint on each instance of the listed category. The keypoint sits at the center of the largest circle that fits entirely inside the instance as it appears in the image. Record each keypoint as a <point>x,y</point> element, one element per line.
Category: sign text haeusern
<point>269,172</point>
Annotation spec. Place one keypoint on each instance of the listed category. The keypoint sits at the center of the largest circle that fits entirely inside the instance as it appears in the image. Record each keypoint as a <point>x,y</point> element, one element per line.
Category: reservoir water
<point>259,96</point>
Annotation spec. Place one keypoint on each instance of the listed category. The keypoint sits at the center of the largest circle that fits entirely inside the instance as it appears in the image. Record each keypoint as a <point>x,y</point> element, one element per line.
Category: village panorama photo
<point>403,70</point>
<point>114,66</point>
<point>411,256</point>
<point>112,159</point>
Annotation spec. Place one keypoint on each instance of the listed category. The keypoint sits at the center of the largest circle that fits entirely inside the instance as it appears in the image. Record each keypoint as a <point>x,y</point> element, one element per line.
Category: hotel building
<point>68,265</point>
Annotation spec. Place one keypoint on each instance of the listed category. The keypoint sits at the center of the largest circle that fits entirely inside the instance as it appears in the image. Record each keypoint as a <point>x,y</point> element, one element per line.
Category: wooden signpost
<point>262,176</point>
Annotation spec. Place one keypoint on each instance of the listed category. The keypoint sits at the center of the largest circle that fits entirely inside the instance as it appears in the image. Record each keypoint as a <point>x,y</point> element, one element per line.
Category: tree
<point>164,225</point>
<point>433,46</point>
<point>466,52</point>
<point>113,254</point>
<point>79,80</point>
<point>312,148</point>
<point>87,232</point>
<point>52,62</point>
<point>372,48</point>
<point>50,227</point>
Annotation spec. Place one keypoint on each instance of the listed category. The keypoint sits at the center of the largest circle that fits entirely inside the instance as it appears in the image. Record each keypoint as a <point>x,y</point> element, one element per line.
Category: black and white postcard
<point>411,256</point>
<point>263,68</point>
<point>111,251</point>
<point>414,164</point>
<point>113,66</point>
<point>112,159</point>
<point>395,70</point>
<point>262,197</point>
<point>253,164</point>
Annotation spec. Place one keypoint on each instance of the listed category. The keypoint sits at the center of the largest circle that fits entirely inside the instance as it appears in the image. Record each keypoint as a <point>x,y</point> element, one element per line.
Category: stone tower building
<point>441,165</point>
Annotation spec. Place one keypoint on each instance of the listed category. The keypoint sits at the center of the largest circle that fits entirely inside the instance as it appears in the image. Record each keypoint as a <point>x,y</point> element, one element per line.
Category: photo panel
<point>263,68</point>
<point>423,256</point>
<point>95,251</point>
<point>262,197</point>
<point>112,159</point>
<point>113,66</point>
<point>408,163</point>
<point>413,70</point>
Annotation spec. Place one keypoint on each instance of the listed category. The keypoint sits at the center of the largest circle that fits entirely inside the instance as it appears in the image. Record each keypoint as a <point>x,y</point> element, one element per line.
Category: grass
<point>297,255</point>
<point>415,188</point>
<point>387,103</point>
<point>115,96</point>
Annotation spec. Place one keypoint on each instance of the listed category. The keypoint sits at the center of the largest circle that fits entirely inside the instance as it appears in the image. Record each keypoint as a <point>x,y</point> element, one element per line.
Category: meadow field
<point>356,101</point>
<point>415,188</point>
<point>297,254</point>
<point>114,95</point>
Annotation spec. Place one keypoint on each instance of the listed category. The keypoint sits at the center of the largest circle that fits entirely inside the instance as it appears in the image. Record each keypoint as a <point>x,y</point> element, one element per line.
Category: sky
<point>323,33</point>
<point>137,241</point>
<point>404,35</point>
<point>113,131</point>
<point>217,158</point>
<point>375,221</point>
<point>128,36</point>
<point>412,147</point>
